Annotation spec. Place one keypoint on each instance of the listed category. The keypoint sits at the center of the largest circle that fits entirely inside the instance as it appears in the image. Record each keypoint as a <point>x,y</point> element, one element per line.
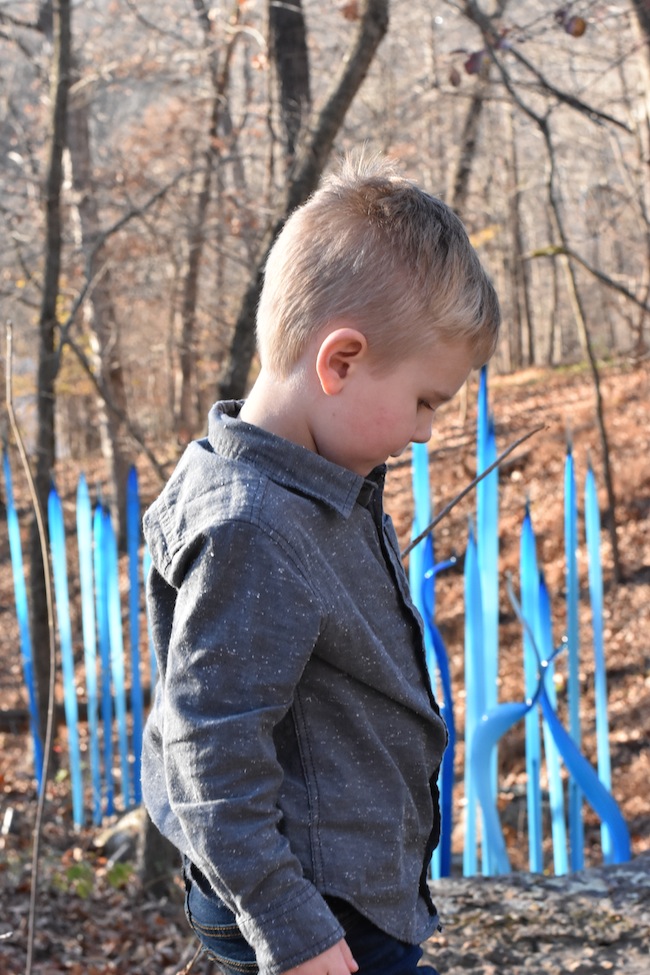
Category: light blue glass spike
<point>576,824</point>
<point>474,694</point>
<point>133,548</point>
<point>422,573</point>
<point>544,639</point>
<point>487,540</point>
<point>530,609</point>
<point>592,525</point>
<point>103,634</point>
<point>22,613</point>
<point>117,652</point>
<point>60,574</point>
<point>89,631</point>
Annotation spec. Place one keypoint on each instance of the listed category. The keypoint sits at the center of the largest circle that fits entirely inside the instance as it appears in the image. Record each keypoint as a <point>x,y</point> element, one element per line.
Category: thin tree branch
<point>123,417</point>
<point>49,731</point>
<point>151,25</point>
<point>191,963</point>
<point>22,47</point>
<point>473,12</point>
<point>585,338</point>
<point>558,250</point>
<point>101,240</point>
<point>540,120</point>
<point>6,18</point>
<point>593,114</point>
<point>459,497</point>
<point>64,329</point>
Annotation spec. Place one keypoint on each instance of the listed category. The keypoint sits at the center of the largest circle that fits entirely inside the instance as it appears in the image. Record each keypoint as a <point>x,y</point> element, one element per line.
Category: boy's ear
<point>338,356</point>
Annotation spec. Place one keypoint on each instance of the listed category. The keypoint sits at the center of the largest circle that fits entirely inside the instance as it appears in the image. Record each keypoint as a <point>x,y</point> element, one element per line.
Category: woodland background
<point>150,151</point>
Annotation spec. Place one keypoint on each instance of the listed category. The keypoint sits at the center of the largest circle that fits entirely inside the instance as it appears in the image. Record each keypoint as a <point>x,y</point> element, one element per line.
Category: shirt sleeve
<point>245,624</point>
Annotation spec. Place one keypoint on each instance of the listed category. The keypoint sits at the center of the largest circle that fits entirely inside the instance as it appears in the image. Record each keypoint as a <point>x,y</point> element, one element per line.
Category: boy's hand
<point>337,960</point>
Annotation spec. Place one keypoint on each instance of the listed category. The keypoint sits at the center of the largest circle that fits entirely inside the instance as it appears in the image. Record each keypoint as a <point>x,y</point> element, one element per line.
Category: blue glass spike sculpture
<point>592,525</point>
<point>487,540</point>
<point>440,661</point>
<point>530,600</point>
<point>422,578</point>
<point>133,547</point>
<point>60,574</point>
<point>89,630</point>
<point>117,651</point>
<point>576,825</point>
<point>475,707</point>
<point>487,535</point>
<point>544,640</point>
<point>103,634</point>
<point>22,613</point>
<point>580,771</point>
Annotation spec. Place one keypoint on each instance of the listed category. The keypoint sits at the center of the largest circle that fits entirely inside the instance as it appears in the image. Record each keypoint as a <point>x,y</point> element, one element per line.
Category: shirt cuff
<point>293,932</point>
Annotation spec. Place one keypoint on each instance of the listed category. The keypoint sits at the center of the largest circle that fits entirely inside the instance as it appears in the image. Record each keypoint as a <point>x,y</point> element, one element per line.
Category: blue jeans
<point>375,952</point>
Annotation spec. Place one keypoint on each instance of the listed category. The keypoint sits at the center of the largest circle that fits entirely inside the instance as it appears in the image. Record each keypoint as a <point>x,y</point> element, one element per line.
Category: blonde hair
<point>371,246</point>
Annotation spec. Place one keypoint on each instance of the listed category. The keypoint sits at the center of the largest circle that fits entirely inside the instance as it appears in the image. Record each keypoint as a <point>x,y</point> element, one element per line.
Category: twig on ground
<point>190,965</point>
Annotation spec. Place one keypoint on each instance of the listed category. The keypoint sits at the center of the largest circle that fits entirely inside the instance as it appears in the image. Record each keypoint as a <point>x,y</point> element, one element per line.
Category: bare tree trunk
<point>642,12</point>
<point>554,353</point>
<point>521,284</point>
<point>105,329</point>
<point>311,156</point>
<point>47,358</point>
<point>290,59</point>
<point>459,189</point>
<point>158,862</point>
<point>188,406</point>
<point>516,325</point>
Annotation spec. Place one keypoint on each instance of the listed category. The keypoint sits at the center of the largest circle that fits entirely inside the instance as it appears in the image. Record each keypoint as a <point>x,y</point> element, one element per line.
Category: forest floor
<point>93,917</point>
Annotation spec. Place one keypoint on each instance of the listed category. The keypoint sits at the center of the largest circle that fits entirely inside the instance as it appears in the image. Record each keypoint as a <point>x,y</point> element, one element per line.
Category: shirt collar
<point>289,464</point>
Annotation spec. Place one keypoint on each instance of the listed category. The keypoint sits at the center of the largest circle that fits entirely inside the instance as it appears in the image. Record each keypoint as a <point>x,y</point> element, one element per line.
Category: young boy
<point>293,748</point>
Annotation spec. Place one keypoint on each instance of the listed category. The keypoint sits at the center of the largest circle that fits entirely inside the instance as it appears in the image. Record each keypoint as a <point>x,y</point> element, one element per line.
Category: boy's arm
<point>245,624</point>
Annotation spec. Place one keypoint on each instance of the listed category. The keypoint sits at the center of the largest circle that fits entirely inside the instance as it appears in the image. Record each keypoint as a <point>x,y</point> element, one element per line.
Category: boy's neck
<point>278,406</point>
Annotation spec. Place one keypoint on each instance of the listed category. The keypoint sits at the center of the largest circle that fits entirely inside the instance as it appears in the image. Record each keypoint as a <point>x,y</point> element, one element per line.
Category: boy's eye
<point>426,404</point>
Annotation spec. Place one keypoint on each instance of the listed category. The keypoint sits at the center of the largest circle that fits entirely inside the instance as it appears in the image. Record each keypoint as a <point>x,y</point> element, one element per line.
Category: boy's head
<point>373,249</point>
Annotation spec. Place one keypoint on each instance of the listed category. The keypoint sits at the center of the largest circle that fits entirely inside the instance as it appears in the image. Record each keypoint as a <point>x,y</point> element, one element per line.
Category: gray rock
<point>596,922</point>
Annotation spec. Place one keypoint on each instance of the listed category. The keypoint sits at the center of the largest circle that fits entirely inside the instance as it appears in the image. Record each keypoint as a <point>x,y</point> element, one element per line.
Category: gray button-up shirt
<point>293,746</point>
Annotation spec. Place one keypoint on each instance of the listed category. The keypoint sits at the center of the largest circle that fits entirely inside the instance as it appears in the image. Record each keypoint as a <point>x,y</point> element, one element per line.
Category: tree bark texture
<point>290,59</point>
<point>159,862</point>
<point>105,330</point>
<point>467,152</point>
<point>523,322</point>
<point>311,157</point>
<point>47,357</point>
<point>187,413</point>
<point>642,13</point>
